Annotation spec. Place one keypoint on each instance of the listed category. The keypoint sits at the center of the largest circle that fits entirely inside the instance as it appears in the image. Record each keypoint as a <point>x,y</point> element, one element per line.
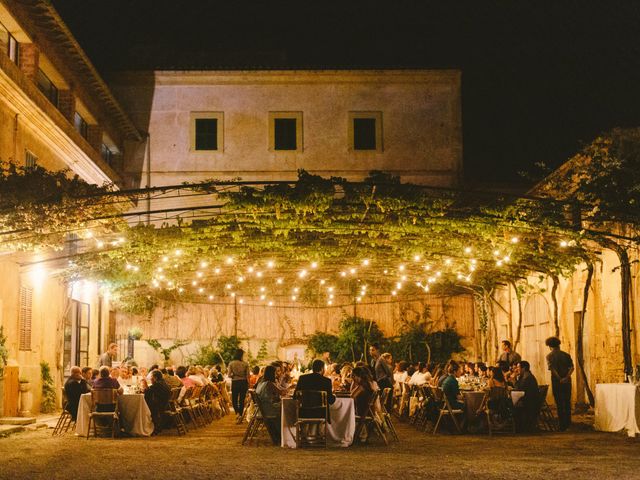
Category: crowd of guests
<point>155,383</point>
<point>359,380</point>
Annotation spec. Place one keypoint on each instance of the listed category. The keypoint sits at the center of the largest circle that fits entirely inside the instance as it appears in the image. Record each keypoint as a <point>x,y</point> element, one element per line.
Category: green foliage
<point>411,343</point>
<point>205,355</point>
<point>227,347</point>
<point>48,400</point>
<point>165,352</point>
<point>4,352</point>
<point>321,342</point>
<point>355,336</point>
<point>38,207</point>
<point>135,333</point>
<point>444,344</point>
<point>224,351</point>
<point>263,353</point>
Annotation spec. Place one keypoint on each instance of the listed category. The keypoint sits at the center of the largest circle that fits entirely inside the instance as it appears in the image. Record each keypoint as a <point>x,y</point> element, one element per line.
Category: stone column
<point>67,104</point>
<point>29,60</point>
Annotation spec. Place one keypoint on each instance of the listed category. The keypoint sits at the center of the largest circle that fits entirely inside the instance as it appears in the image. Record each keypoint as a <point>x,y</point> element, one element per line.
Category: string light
<point>323,281</point>
<point>165,259</point>
<point>216,271</point>
<point>314,264</point>
<point>204,264</point>
<point>330,303</point>
<point>279,281</point>
<point>259,274</point>
<point>229,260</point>
<point>394,293</point>
<point>250,270</point>
<point>447,261</point>
<point>270,303</point>
<point>564,243</point>
<point>293,297</point>
<point>467,250</point>
<point>263,289</point>
<point>365,262</point>
<point>200,290</point>
<point>210,297</point>
<point>194,283</point>
<point>417,258</point>
<point>241,300</point>
<point>401,268</point>
<point>353,271</point>
<point>240,279</point>
<point>100,244</point>
<point>199,274</point>
<point>296,290</point>
<point>343,274</point>
<point>262,297</point>
<point>515,239</point>
<point>178,253</point>
<point>427,267</point>
<point>271,264</point>
<point>180,290</point>
<point>228,286</point>
<point>302,274</point>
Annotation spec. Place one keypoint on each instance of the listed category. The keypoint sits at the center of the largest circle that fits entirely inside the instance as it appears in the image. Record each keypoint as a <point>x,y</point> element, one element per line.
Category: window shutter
<point>26,302</point>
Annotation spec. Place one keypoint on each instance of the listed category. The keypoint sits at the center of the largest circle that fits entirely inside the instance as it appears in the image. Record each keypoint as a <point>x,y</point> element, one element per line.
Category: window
<point>206,131</point>
<point>8,44</point>
<point>47,87</point>
<point>106,153</point>
<point>30,159</point>
<point>76,336</point>
<point>285,131</point>
<point>365,131</point>
<point>24,317</point>
<point>80,124</point>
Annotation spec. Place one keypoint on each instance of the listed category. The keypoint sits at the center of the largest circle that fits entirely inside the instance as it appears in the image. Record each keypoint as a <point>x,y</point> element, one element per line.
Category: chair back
<point>437,394</point>
<point>497,393</point>
<point>256,401</point>
<point>311,398</point>
<point>103,397</point>
<point>385,396</point>
<point>543,390</point>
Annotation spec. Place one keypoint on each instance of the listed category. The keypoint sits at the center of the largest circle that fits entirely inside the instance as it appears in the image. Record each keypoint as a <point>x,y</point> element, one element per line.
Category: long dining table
<point>135,416</point>
<point>339,432</point>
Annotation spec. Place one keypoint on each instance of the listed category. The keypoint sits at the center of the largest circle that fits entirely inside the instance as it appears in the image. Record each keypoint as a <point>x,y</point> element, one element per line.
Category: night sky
<point>540,78</point>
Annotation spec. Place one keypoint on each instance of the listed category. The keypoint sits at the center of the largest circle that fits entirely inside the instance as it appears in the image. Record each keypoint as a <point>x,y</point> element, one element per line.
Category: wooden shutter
<point>26,303</point>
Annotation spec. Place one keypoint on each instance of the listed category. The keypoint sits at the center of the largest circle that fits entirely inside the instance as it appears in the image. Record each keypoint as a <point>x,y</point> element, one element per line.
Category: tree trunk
<point>625,286</point>
<point>579,340</point>
<point>554,299</point>
<point>519,328</point>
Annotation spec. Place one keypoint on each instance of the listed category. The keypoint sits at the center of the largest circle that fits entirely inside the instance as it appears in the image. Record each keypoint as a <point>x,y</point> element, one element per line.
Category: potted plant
<point>135,333</point>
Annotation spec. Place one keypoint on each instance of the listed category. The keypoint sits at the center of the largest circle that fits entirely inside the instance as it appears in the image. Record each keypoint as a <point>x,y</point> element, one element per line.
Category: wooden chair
<point>104,405</point>
<point>175,412</point>
<point>257,422</point>
<point>370,421</point>
<point>311,400</point>
<point>497,408</point>
<point>65,421</point>
<point>446,410</point>
<point>386,416</point>
<point>546,419</point>
<point>188,406</point>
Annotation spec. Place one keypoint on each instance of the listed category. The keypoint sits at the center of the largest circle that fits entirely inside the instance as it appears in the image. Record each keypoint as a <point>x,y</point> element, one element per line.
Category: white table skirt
<point>135,416</point>
<point>339,432</point>
<point>617,408</point>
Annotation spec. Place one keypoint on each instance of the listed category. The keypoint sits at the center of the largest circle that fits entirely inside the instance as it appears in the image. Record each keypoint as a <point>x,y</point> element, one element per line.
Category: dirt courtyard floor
<point>215,452</point>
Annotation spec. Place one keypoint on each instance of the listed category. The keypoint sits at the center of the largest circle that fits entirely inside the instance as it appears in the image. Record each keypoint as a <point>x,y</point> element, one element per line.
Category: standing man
<point>107,358</point>
<point>238,371</point>
<point>561,367</point>
<point>374,353</point>
<point>508,355</point>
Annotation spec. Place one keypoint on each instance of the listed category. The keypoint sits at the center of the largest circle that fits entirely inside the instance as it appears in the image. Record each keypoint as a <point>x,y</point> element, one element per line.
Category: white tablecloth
<point>135,416</point>
<point>339,432</point>
<point>617,408</point>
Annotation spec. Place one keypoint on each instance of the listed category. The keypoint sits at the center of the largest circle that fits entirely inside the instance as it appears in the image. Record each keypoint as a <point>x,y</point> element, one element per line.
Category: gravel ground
<point>215,451</point>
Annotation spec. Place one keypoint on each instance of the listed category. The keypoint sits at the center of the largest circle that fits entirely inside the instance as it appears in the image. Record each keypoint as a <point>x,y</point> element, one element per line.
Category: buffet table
<point>617,408</point>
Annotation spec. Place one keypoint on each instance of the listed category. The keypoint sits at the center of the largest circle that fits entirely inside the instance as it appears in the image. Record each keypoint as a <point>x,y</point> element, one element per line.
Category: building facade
<point>56,112</point>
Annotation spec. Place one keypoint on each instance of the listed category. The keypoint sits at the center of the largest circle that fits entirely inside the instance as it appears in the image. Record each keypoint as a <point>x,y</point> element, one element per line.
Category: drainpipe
<point>15,138</point>
<point>148,152</point>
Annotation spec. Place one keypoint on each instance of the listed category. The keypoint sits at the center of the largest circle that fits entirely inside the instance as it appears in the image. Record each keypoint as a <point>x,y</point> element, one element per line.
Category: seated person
<point>528,406</point>
<point>104,380</point>
<point>315,381</point>
<point>269,396</point>
<point>73,388</point>
<point>255,374</point>
<point>362,389</point>
<point>451,388</point>
<point>170,378</point>
<point>157,398</point>
<point>421,376</point>
<point>87,374</point>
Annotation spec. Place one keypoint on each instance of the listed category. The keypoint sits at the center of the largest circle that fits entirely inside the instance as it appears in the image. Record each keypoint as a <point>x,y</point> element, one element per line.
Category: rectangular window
<point>76,336</point>
<point>285,131</point>
<point>14,49</point>
<point>206,134</point>
<point>365,131</point>
<point>47,87</point>
<point>206,131</point>
<point>24,320</point>
<point>80,124</point>
<point>30,160</point>
<point>106,153</point>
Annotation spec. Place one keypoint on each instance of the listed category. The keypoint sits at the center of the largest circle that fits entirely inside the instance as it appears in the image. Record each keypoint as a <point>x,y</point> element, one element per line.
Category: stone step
<point>17,420</point>
<point>36,426</point>
<point>9,429</point>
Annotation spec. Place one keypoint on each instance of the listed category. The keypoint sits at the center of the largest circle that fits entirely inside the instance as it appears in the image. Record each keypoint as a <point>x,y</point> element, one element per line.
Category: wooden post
<point>11,391</point>
<point>235,316</point>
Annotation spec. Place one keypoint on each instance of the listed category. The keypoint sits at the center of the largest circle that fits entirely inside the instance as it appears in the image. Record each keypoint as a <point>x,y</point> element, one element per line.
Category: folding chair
<point>316,401</point>
<point>446,409</point>
<point>546,419</point>
<point>386,416</point>
<point>496,405</point>
<point>175,412</point>
<point>257,422</point>
<point>104,405</point>
<point>65,421</point>
<point>370,421</point>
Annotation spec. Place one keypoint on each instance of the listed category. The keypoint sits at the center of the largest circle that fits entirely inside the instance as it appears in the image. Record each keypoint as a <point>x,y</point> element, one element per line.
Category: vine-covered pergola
<point>319,241</point>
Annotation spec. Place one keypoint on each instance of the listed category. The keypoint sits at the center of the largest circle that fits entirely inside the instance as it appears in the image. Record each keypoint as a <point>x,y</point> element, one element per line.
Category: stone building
<point>57,112</point>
